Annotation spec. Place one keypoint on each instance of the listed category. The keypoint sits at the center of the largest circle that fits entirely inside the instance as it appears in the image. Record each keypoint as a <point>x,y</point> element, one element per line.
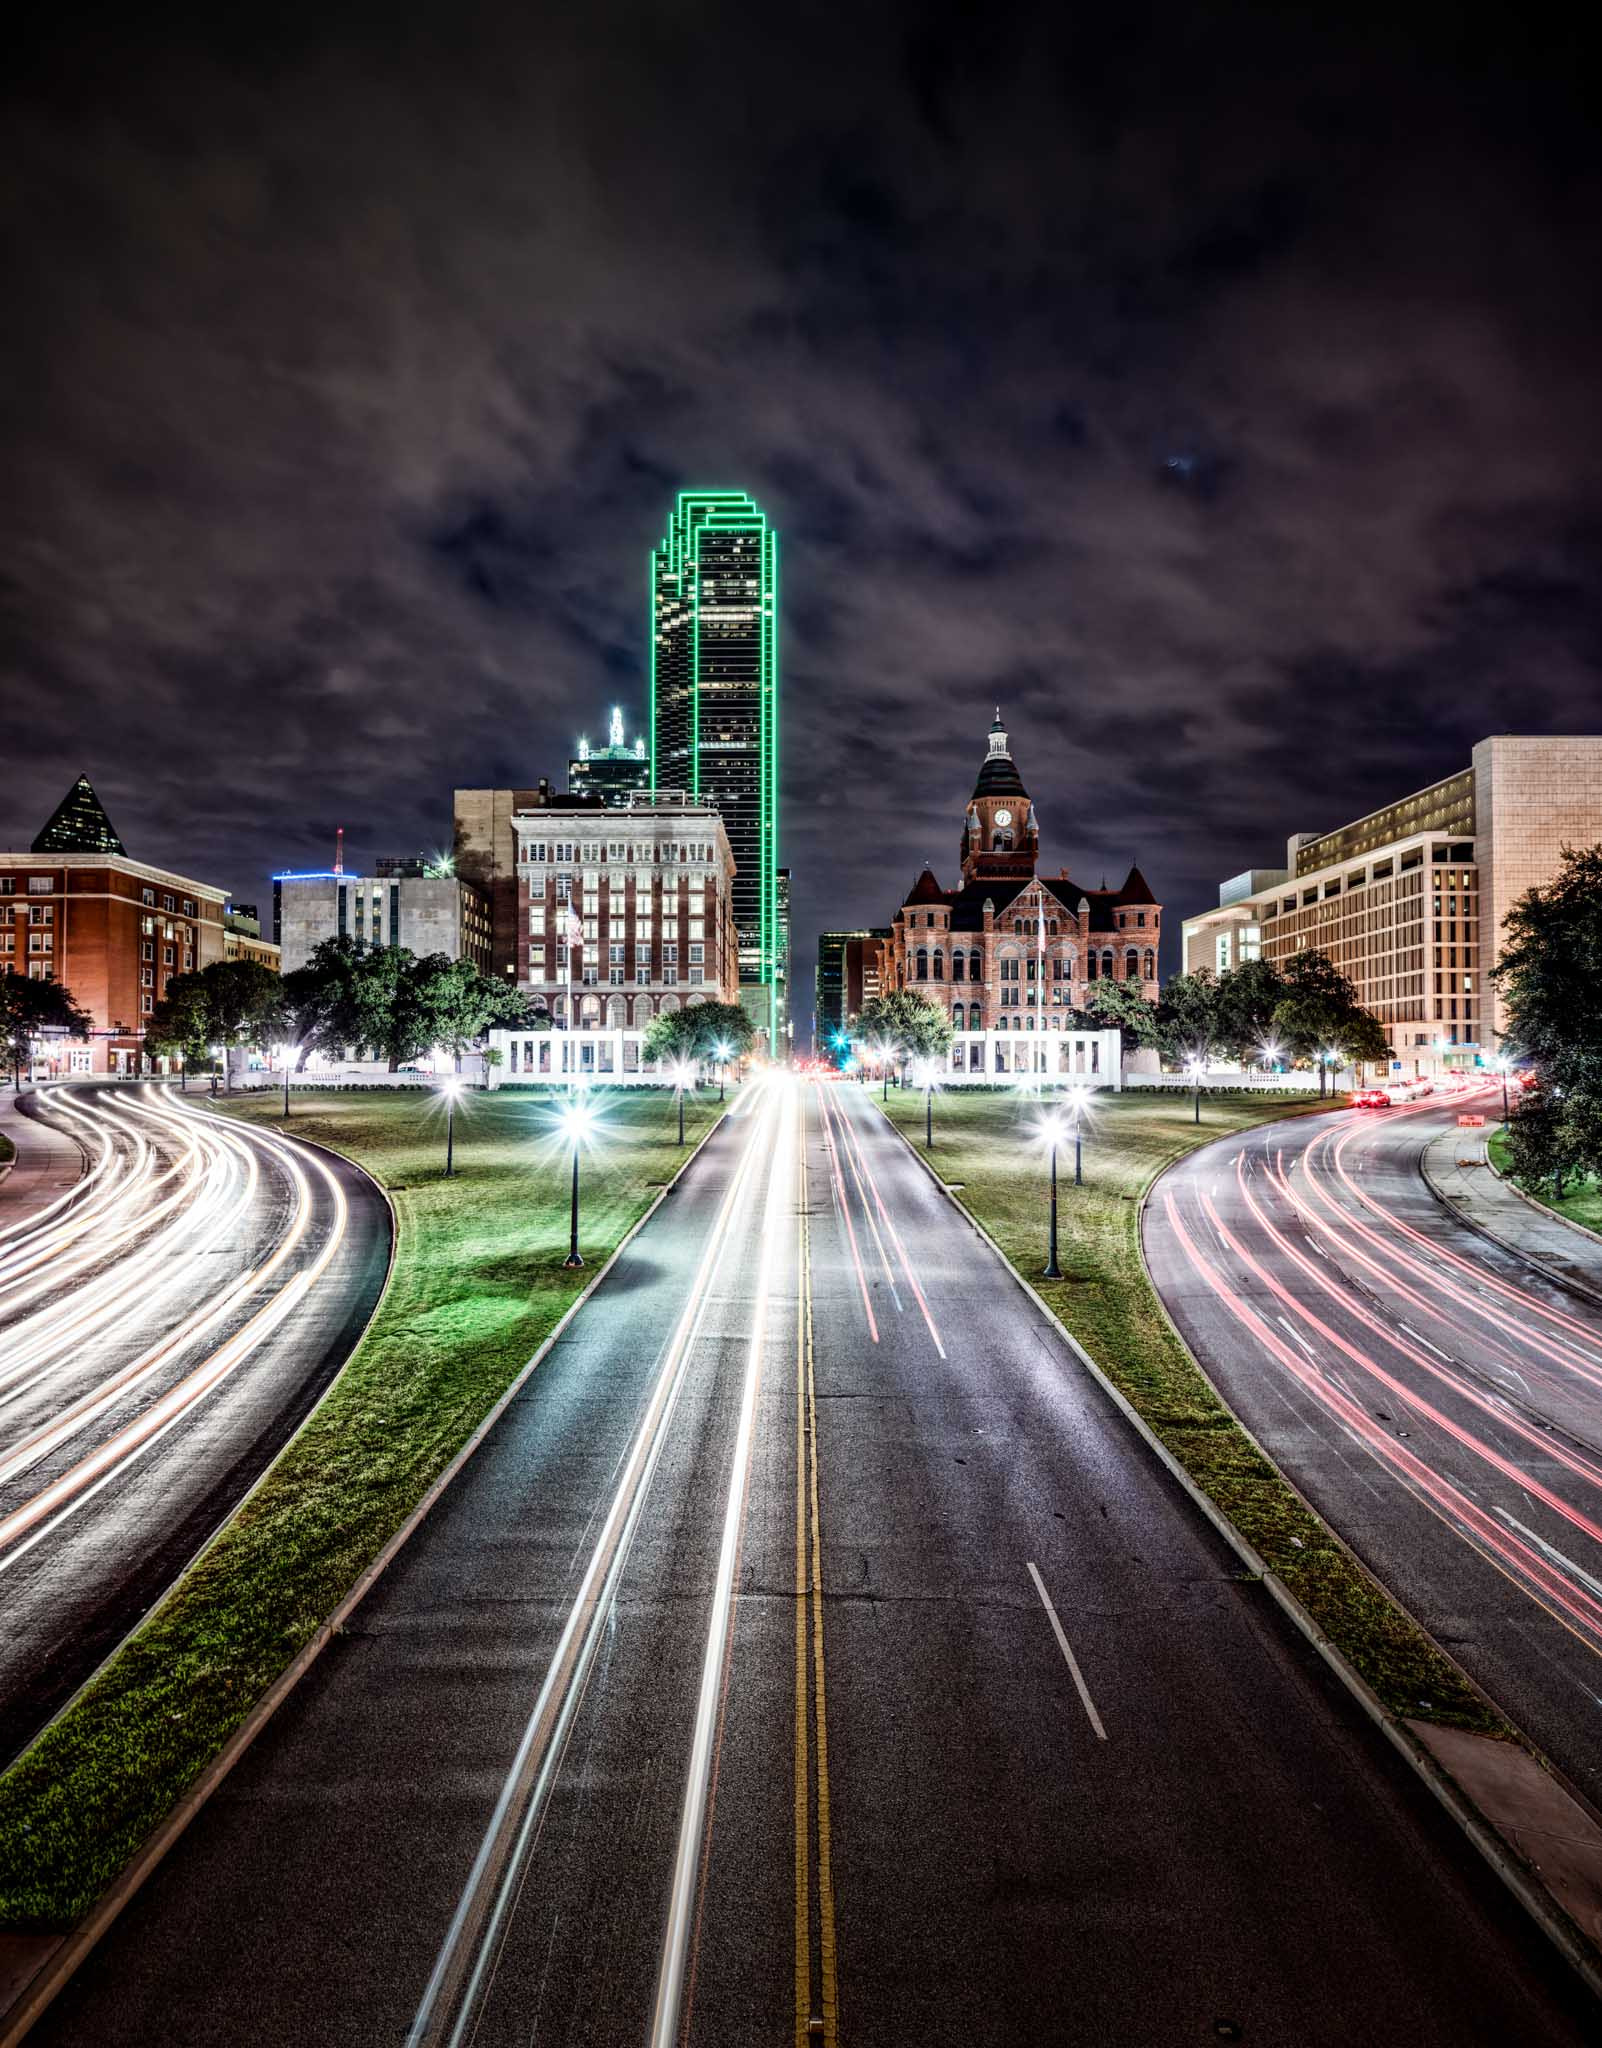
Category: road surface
<point>165,1323</point>
<point>812,1654</point>
<point>1437,1399</point>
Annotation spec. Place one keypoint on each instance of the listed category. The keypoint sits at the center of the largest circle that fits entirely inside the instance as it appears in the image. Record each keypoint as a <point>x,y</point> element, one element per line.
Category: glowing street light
<point>1271,1052</point>
<point>450,1090</point>
<point>1195,1066</point>
<point>883,1050</point>
<point>682,1075</point>
<point>721,1052</point>
<point>577,1121</point>
<point>1502,1064</point>
<point>1052,1132</point>
<point>1326,1070</point>
<point>926,1074</point>
<point>288,1053</point>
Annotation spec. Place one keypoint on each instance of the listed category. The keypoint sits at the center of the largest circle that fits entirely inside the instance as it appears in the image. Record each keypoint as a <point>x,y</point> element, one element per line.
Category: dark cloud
<point>1214,388</point>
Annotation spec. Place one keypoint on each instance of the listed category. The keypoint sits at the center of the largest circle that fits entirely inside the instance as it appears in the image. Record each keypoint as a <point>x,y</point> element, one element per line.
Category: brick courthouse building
<point>1010,950</point>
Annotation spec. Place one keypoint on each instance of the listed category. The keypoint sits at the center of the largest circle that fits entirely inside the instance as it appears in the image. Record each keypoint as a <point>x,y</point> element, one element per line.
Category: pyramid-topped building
<point>79,824</point>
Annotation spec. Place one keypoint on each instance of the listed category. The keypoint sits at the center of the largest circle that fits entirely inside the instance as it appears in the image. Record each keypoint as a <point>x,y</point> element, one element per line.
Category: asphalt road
<point>812,1653</point>
<point>164,1325</point>
<point>1439,1401</point>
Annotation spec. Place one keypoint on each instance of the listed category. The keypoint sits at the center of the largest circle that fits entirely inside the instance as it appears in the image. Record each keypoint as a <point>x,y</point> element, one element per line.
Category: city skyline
<point>1190,456</point>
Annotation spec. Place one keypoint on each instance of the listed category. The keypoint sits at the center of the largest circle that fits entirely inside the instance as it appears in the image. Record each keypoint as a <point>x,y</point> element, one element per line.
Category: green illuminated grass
<point>1582,1200</point>
<point>477,1285</point>
<point>1107,1302</point>
<point>7,1149</point>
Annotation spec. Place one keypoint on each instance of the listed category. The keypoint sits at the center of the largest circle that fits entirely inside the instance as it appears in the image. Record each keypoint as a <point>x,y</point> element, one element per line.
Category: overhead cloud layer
<point>1218,397</point>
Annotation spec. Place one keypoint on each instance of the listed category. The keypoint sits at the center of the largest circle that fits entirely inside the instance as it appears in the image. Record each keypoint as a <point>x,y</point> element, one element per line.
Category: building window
<point>923,963</point>
<point>8,885</point>
<point>1148,968</point>
<point>939,965</point>
<point>38,885</point>
<point>1131,966</point>
<point>147,1004</point>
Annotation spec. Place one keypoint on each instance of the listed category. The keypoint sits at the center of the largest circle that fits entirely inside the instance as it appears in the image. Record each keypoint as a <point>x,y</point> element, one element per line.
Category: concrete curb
<point>69,1951</point>
<point>1455,1210</point>
<point>1523,1882</point>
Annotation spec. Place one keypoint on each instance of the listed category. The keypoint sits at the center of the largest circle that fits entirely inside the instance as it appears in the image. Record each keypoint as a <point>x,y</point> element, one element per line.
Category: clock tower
<point>1000,839</point>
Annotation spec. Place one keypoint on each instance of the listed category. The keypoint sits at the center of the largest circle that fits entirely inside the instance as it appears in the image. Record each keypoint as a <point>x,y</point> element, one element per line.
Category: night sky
<point>1216,392</point>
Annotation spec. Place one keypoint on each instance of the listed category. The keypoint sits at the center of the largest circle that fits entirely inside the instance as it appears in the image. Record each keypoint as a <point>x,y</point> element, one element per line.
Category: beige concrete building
<point>1410,900</point>
<point>429,911</point>
<point>242,939</point>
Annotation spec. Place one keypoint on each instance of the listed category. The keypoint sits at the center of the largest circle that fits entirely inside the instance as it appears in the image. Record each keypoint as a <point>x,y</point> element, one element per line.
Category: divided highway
<point>1437,1399</point>
<point>164,1325</point>
<point>812,1653</point>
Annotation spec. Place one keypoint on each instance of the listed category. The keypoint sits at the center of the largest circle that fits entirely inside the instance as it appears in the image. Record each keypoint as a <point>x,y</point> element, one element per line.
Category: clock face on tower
<point>1003,817</point>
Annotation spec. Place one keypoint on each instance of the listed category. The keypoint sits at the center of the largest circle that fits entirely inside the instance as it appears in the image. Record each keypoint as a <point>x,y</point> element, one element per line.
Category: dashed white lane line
<point>1068,1656</point>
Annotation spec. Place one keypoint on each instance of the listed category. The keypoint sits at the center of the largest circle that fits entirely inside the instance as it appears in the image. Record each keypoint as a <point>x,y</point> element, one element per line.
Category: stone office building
<point>1409,901</point>
<point>1010,950</point>
<point>409,903</point>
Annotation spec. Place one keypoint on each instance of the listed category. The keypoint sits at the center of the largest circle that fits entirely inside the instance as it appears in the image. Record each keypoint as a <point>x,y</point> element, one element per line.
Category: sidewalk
<point>46,1165</point>
<point>1460,1175</point>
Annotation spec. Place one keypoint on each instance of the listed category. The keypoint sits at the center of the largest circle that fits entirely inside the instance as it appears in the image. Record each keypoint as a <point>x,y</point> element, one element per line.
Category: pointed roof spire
<point>997,774</point>
<point>79,825</point>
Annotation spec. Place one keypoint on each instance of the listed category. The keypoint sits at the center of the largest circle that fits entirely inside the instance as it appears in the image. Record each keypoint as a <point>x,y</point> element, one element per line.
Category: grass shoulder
<point>476,1286</point>
<point>1581,1201</point>
<point>1107,1302</point>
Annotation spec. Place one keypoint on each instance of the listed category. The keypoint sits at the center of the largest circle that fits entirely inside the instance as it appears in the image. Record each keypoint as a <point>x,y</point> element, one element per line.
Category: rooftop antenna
<point>339,849</point>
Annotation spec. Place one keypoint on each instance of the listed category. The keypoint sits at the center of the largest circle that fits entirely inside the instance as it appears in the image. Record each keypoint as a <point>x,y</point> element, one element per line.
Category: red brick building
<point>110,929</point>
<point>1009,949</point>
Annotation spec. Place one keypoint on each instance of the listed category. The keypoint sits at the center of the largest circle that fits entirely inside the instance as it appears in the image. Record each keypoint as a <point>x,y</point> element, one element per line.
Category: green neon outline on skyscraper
<point>677,734</point>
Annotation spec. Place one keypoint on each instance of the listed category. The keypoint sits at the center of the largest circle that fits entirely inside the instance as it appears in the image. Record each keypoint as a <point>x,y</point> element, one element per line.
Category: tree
<point>903,1018</point>
<point>718,1023</point>
<point>179,1025</point>
<point>1121,1003</point>
<point>341,999</point>
<point>1319,1011</point>
<point>29,1007</point>
<point>1187,1015</point>
<point>669,1036</point>
<point>1247,998</point>
<point>453,1003</point>
<point>1550,978</point>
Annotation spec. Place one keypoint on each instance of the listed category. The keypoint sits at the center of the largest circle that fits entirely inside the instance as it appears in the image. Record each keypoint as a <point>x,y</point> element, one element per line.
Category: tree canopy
<point>1550,978</point>
<point>696,1032</point>
<point>387,1000</point>
<point>29,1007</point>
<point>921,1029</point>
<point>1187,1015</point>
<point>1121,1003</point>
<point>1319,1012</point>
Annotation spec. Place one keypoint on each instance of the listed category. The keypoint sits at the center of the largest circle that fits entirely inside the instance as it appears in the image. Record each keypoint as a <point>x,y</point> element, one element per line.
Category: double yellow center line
<point>816,1995</point>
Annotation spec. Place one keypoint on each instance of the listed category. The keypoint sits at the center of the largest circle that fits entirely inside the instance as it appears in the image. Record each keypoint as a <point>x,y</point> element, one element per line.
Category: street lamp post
<point>925,1074</point>
<point>453,1088</point>
<point>1053,1132</point>
<point>1195,1066</point>
<point>1078,1097</point>
<point>1502,1067</point>
<point>577,1120</point>
<point>287,1052</point>
<point>722,1050</point>
<point>683,1074</point>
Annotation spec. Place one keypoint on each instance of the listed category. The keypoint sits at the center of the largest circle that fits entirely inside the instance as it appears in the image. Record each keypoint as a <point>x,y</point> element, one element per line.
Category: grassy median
<point>1107,1302</point>
<point>478,1283</point>
<point>1582,1199</point>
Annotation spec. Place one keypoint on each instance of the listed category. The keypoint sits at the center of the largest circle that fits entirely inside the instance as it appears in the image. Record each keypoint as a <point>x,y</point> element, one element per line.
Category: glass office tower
<point>715,707</point>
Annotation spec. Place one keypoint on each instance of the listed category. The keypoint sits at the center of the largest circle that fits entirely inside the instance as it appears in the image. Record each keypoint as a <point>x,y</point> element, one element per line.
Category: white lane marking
<point>1297,1337</point>
<point>1428,1346</point>
<point>777,1222</point>
<point>1068,1656</point>
<point>1566,1564</point>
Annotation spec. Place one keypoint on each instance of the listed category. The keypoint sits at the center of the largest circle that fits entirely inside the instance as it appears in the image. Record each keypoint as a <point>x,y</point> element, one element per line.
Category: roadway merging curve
<point>810,1653</point>
<point>1436,1398</point>
<point>164,1326</point>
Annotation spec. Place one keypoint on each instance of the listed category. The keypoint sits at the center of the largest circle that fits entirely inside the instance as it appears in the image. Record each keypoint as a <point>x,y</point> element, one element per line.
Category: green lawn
<point>478,1284</point>
<point>7,1149</point>
<point>1107,1302</point>
<point>1582,1200</point>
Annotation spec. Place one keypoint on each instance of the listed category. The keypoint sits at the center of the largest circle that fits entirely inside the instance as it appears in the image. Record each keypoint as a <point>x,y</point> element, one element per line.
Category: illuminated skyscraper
<point>715,707</point>
<point>613,772</point>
